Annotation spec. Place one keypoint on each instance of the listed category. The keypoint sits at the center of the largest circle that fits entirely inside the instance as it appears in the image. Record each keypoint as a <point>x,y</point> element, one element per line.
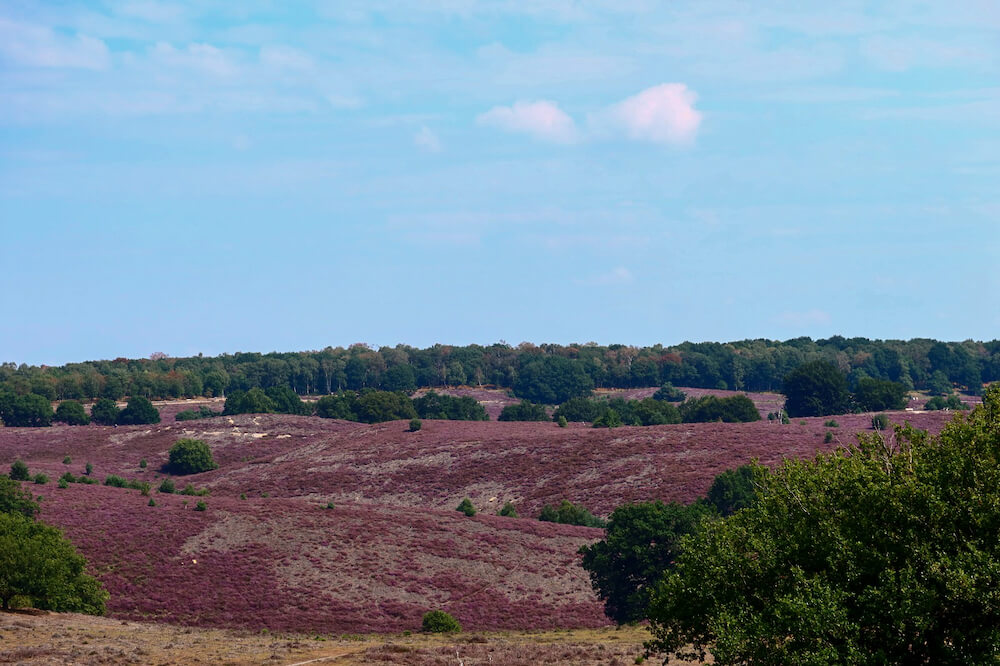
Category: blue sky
<point>221,176</point>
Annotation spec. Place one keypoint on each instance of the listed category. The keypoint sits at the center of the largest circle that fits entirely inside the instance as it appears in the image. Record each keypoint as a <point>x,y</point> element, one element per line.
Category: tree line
<point>547,373</point>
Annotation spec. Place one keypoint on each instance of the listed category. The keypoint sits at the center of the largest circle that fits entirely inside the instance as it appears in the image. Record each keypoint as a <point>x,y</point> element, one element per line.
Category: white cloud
<point>427,140</point>
<point>661,114</point>
<point>285,57</point>
<point>203,58</point>
<point>542,119</point>
<point>38,46</point>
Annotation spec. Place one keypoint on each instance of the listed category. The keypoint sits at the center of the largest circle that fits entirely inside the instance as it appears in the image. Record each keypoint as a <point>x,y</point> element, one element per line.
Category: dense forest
<point>545,373</point>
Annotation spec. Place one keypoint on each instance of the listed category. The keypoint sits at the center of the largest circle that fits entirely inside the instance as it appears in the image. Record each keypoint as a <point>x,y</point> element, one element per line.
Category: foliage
<point>190,456</point>
<point>104,412</point>
<point>735,409</point>
<point>941,402</point>
<point>466,507</point>
<point>287,401</point>
<point>14,499</point>
<point>254,401</point>
<point>561,421</point>
<point>25,411</point>
<point>339,406</point>
<point>523,411</point>
<point>415,425</point>
<point>434,405</point>
<point>831,424</point>
<point>568,513</point>
<point>439,622</point>
<point>203,412</point>
<point>873,395</point>
<point>880,422</point>
<point>884,552</point>
<point>640,544</point>
<point>609,419</point>
<point>138,411</point>
<point>40,479</point>
<point>828,437</point>
<point>508,510</point>
<point>71,412</point>
<point>580,410</point>
<point>734,489</point>
<point>381,406</point>
<point>39,565</point>
<point>816,389</point>
<point>19,471</point>
<point>115,481</point>
<point>551,380</point>
<point>88,469</point>
<point>200,506</point>
<point>669,393</point>
<point>167,486</point>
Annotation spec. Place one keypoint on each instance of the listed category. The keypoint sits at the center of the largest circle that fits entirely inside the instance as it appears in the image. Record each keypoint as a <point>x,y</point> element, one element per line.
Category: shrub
<point>71,412</point>
<point>190,456</point>
<point>562,421</point>
<point>568,513</point>
<point>466,507</point>
<point>68,477</point>
<point>831,424</point>
<point>941,402</point>
<point>329,505</point>
<point>26,411</point>
<point>669,393</point>
<point>880,422</point>
<point>508,510</point>
<point>415,425</point>
<point>19,471</point>
<point>200,506</point>
<point>63,484</point>
<point>152,502</point>
<point>166,486</point>
<point>139,411</point>
<point>609,419</point>
<point>736,409</point>
<point>828,437</point>
<point>14,499</point>
<point>142,464</point>
<point>67,460</point>
<point>434,405</point>
<point>439,622</point>
<point>41,479</point>
<point>104,412</point>
<point>89,469</point>
<point>115,481</point>
<point>524,411</point>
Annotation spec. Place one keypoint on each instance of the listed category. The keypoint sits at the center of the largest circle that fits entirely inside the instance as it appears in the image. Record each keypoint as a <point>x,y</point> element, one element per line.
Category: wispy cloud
<point>37,46</point>
<point>285,57</point>
<point>427,140</point>
<point>542,119</point>
<point>203,58</point>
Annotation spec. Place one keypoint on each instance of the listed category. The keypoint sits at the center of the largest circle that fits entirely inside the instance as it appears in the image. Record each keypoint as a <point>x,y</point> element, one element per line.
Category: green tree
<point>254,401</point>
<point>439,622</point>
<point>14,499</point>
<point>138,411</point>
<point>19,471</point>
<point>71,412</point>
<point>190,456</point>
<point>466,507</point>
<point>38,565</point>
<point>25,411</point>
<point>641,543</point>
<point>882,553</point>
<point>104,412</point>
<point>734,489</point>
<point>523,411</point>
<point>816,388</point>
<point>874,395</point>
<point>568,513</point>
<point>508,510</point>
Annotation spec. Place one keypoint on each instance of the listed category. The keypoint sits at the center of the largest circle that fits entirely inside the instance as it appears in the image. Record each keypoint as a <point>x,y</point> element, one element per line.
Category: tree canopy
<point>71,412</point>
<point>138,411</point>
<point>190,456</point>
<point>816,388</point>
<point>883,552</point>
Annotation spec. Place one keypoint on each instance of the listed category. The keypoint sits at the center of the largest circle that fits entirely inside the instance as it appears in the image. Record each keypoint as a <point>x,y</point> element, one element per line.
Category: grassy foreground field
<point>67,638</point>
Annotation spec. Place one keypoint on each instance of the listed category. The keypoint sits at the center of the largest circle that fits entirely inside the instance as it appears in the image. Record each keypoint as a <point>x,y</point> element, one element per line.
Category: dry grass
<point>65,638</point>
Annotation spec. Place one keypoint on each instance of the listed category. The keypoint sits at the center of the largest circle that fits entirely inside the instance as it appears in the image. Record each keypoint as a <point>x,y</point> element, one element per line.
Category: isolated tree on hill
<point>38,564</point>
<point>882,553</point>
<point>138,411</point>
<point>190,456</point>
<point>71,412</point>
<point>816,388</point>
<point>104,412</point>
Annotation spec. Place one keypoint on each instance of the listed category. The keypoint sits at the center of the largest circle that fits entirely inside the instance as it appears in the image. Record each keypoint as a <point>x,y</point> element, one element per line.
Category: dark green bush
<point>508,510</point>
<point>41,479</point>
<point>568,513</point>
<point>669,393</point>
<point>19,471</point>
<point>880,422</point>
<point>115,481</point>
<point>415,425</point>
<point>439,622</point>
<point>71,412</point>
<point>190,456</point>
<point>167,486</point>
<point>200,506</point>
<point>104,412</point>
<point>139,411</point>
<point>524,411</point>
<point>466,507</point>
